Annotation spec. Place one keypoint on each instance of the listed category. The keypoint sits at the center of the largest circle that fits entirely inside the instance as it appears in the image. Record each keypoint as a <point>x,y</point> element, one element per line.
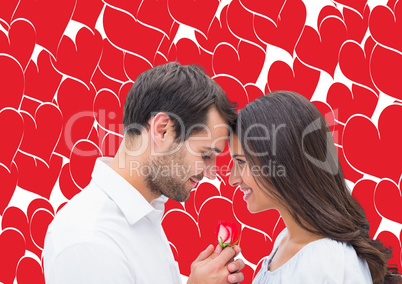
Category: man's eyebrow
<point>216,150</point>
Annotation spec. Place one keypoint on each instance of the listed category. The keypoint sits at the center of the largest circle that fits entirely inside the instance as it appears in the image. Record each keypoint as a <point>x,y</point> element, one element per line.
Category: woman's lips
<point>247,192</point>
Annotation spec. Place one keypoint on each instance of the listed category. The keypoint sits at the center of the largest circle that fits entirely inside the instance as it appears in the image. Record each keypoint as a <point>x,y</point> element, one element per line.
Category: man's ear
<point>160,125</point>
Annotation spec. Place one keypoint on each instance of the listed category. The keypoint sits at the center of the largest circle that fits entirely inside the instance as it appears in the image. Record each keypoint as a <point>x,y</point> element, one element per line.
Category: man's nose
<point>210,171</point>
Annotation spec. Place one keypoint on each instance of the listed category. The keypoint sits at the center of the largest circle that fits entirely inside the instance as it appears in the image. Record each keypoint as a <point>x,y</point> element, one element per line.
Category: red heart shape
<point>187,52</point>
<point>265,221</point>
<point>390,240</point>
<point>45,126</point>
<point>101,80</point>
<point>348,172</point>
<point>361,136</point>
<point>41,79</point>
<point>253,91</point>
<point>49,18</point>
<point>20,42</point>
<point>114,20</point>
<point>346,102</point>
<point>173,224</point>
<point>357,5</point>
<point>78,118</point>
<point>129,6</point>
<point>12,125</point>
<point>123,91</point>
<point>334,126</point>
<point>29,271</point>
<point>155,13</point>
<point>233,88</point>
<point>38,224</point>
<point>321,49</point>
<point>251,239</point>
<point>270,9</point>
<point>84,53</point>
<point>36,176</point>
<point>9,182</point>
<point>363,192</point>
<point>218,32</point>
<point>7,9</point>
<point>172,205</point>
<point>108,111</point>
<point>15,219</point>
<point>387,198</point>
<point>327,11</point>
<point>189,206</point>
<point>110,62</point>
<point>82,161</point>
<point>245,63</point>
<point>384,62</point>
<point>355,63</point>
<point>356,23</point>
<point>248,273</point>
<point>134,65</point>
<point>204,192</point>
<point>11,82</point>
<point>300,78</point>
<point>329,115</point>
<point>12,247</point>
<point>386,24</point>
<point>197,14</point>
<point>223,165</point>
<point>67,186</point>
<point>225,188</point>
<point>286,29</point>
<point>111,143</point>
<point>87,12</point>
<point>208,218</point>
<point>242,29</point>
<point>39,203</point>
<point>28,108</point>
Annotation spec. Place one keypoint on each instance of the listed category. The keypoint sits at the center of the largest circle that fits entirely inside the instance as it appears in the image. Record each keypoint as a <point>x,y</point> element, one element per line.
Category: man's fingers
<point>236,265</point>
<point>216,252</point>
<point>237,250</point>
<point>205,253</point>
<point>225,256</point>
<point>236,277</point>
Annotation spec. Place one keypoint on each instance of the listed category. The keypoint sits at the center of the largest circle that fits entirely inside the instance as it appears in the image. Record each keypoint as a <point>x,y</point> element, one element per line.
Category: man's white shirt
<point>109,233</point>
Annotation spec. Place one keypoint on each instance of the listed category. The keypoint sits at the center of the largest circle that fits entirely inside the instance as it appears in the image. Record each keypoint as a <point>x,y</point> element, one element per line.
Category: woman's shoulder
<point>321,261</point>
<point>328,259</point>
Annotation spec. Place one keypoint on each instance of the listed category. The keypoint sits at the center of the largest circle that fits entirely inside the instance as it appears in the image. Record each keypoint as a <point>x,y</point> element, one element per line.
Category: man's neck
<point>129,169</point>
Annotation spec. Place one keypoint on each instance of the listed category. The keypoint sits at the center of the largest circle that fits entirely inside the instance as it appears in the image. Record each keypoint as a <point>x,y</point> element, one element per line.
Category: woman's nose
<point>234,177</point>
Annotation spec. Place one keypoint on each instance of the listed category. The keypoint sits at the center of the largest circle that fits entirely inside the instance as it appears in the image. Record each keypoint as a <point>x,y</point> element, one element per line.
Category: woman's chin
<point>254,210</point>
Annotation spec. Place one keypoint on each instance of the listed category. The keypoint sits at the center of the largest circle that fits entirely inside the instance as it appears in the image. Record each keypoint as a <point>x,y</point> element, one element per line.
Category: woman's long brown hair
<point>311,185</point>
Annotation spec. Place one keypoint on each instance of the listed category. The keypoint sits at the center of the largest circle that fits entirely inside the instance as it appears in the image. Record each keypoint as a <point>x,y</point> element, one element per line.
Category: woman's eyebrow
<point>237,155</point>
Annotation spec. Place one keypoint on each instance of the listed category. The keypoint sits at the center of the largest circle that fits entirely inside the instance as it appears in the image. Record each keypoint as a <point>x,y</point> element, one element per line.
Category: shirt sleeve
<point>89,263</point>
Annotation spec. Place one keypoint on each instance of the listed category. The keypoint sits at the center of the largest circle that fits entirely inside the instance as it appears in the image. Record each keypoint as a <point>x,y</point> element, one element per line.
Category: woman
<point>284,158</point>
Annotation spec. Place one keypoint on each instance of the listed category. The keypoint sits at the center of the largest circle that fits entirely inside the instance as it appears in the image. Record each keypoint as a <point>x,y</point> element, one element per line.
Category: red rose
<point>227,233</point>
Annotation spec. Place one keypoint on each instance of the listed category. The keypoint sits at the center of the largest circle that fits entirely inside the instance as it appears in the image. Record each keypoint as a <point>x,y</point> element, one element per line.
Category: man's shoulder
<point>78,217</point>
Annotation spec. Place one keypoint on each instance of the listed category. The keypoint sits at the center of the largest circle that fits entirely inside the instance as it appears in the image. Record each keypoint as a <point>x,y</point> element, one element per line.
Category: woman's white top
<point>324,261</point>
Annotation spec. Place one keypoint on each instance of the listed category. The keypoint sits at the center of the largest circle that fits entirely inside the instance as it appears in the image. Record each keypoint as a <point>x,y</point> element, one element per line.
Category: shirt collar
<point>133,205</point>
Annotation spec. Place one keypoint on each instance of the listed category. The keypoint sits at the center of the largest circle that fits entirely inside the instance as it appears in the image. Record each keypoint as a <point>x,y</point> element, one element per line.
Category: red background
<point>66,67</point>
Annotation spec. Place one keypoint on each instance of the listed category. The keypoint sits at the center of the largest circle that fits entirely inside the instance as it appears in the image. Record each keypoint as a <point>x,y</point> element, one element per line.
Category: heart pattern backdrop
<point>66,67</point>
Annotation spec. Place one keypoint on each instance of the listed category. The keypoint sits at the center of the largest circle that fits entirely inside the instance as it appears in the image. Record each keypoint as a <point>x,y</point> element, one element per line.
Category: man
<point>176,121</point>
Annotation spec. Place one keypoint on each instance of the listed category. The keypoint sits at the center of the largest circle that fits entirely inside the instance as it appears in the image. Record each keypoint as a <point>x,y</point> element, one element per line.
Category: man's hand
<point>217,267</point>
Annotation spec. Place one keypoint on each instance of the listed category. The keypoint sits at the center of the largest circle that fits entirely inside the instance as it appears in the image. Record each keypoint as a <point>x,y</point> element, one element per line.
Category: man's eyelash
<point>205,156</point>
